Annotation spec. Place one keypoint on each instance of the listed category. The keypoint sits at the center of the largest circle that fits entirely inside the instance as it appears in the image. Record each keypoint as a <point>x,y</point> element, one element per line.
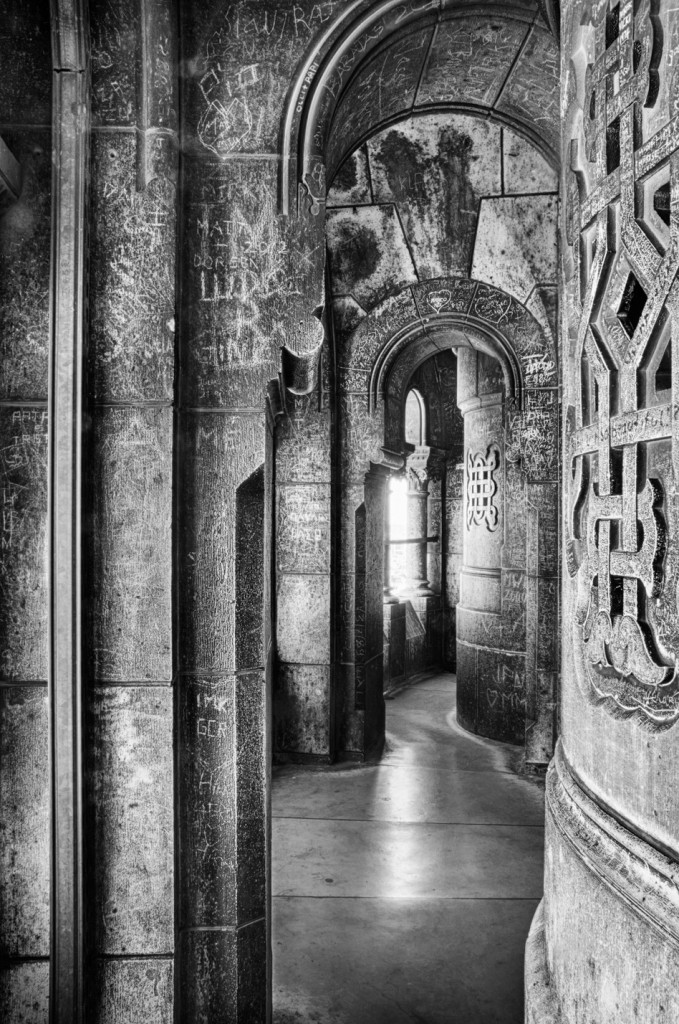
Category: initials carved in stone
<point>482,488</point>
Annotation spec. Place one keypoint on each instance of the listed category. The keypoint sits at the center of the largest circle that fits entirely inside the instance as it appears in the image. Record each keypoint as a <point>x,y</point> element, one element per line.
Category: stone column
<point>491,612</point>
<point>604,945</point>
<point>418,502</point>
<point>129,503</point>
<point>251,285</point>
<point>422,649</point>
<point>304,708</point>
<point>369,616</point>
<point>25,218</point>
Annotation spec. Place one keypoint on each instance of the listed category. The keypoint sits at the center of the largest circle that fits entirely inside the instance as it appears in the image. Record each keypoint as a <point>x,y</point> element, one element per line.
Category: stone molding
<point>645,879</point>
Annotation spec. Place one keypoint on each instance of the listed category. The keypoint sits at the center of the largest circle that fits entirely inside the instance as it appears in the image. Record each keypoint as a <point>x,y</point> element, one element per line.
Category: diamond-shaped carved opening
<point>632,305</point>
<point>612,24</point>
<point>636,56</point>
<point>663,375</point>
<point>661,202</point>
<point>613,146</point>
<point>586,390</point>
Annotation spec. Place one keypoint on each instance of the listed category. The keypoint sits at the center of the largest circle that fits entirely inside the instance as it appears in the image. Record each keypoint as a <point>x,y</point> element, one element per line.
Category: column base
<point>605,949</point>
<point>541,1004</point>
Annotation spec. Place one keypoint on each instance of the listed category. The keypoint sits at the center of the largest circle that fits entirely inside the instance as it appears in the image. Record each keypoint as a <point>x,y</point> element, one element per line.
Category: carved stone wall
<point>25,105</point>
<point>187,268</point>
<point>613,805</point>
<point>128,504</point>
<point>303,694</point>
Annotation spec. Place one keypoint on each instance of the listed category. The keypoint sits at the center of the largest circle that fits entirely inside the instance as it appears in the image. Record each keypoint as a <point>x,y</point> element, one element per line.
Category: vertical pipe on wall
<point>67,332</point>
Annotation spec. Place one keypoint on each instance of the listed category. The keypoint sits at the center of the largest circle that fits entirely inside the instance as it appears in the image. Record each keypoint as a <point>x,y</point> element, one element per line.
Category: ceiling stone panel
<point>516,243</point>
<point>382,89</point>
<point>470,60</point>
<point>435,169</point>
<point>369,256</point>
<point>524,170</point>
<point>532,91</point>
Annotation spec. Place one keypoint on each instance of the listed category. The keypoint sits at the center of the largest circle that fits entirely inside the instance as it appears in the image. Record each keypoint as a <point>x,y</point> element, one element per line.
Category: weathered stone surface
<point>132,271</point>
<point>24,270</point>
<point>514,611</point>
<point>131,495</point>
<point>303,603</point>
<point>351,184</point>
<point>470,65</point>
<point>24,822</point>
<point>524,169</point>
<point>479,628</point>
<point>25,54</point>
<point>532,90</point>
<point>222,799</point>
<point>223,972</point>
<point>24,993</point>
<point>303,528</point>
<point>481,590</point>
<point>516,244</point>
<point>608,888</point>
<point>123,986</point>
<point>218,454</point>
<point>131,801</point>
<point>244,271</point>
<point>467,685</point>
<point>369,255</point>
<point>435,169</point>
<point>385,86</point>
<point>23,549</point>
<point>302,709</point>
<point>303,443</point>
<point>115,42</point>
<point>240,61</point>
<point>253,724</point>
<point>501,695</point>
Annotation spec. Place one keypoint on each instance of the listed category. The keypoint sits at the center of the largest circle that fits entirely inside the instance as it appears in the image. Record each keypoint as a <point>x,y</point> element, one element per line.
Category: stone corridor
<point>403,891</point>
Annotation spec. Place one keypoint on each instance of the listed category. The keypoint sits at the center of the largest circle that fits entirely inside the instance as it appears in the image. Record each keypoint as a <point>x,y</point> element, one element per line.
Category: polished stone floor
<point>404,891</point>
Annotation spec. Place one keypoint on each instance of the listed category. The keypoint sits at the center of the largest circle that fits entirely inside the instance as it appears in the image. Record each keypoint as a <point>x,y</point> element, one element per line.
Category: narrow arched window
<point>415,418</point>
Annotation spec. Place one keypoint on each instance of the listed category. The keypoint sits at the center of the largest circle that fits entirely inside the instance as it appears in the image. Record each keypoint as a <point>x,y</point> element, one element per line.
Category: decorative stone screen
<point>482,488</point>
<point>621,424</point>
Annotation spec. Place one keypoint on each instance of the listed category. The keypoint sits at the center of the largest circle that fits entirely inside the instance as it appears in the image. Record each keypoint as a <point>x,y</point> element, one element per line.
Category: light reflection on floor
<point>404,891</point>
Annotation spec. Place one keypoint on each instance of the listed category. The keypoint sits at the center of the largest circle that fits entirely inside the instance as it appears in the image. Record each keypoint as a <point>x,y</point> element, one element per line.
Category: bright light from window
<point>398,530</point>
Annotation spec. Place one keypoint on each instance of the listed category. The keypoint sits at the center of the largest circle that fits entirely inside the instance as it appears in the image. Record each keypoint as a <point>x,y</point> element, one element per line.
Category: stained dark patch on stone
<point>346,177</point>
<point>356,252</point>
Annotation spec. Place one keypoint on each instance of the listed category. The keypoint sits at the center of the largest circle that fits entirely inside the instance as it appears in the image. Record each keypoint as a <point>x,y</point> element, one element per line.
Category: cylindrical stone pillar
<point>416,558</point>
<point>490,656</point>
<point>604,946</point>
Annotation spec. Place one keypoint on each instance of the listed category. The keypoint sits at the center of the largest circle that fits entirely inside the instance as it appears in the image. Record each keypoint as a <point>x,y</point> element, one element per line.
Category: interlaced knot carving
<point>482,488</point>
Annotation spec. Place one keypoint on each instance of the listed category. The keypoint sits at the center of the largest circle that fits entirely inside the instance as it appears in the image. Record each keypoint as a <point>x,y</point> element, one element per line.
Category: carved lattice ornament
<point>482,488</point>
<point>623,436</point>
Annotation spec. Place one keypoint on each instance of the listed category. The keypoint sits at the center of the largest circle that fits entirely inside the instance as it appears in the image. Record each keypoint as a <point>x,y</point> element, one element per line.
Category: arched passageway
<point>386,233</point>
<point>403,890</point>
